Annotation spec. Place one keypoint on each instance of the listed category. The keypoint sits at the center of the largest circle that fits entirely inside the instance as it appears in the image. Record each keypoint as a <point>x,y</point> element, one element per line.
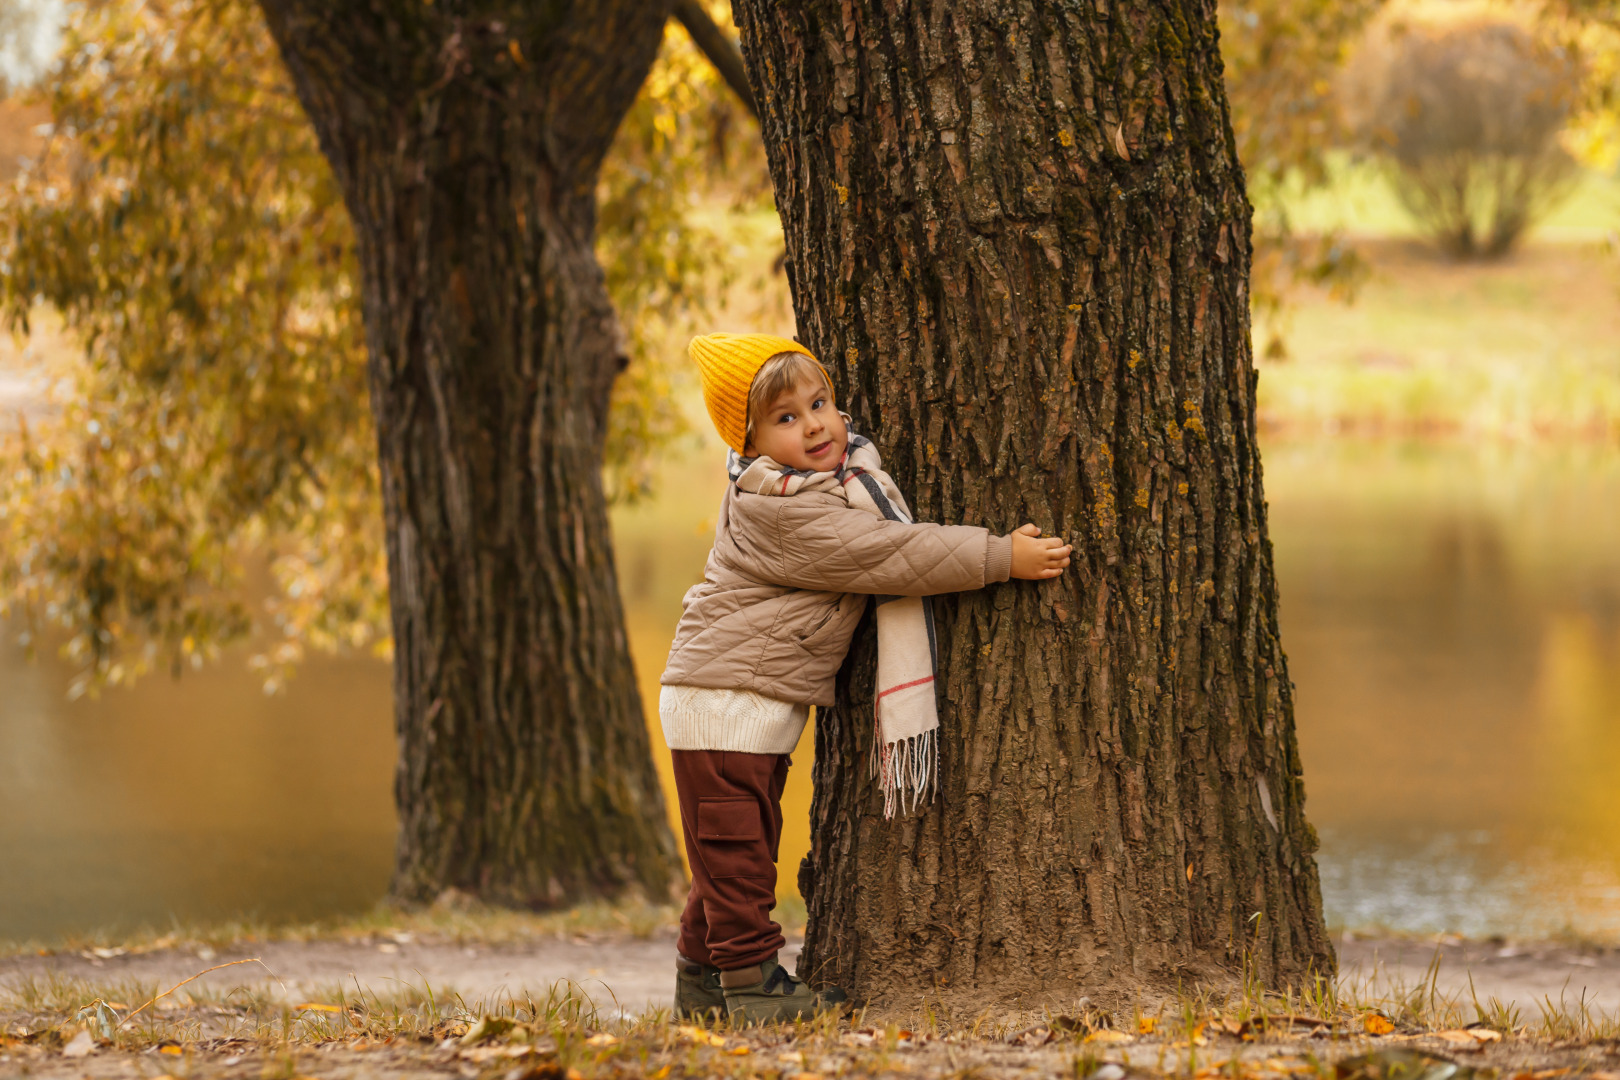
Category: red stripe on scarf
<point>905,686</point>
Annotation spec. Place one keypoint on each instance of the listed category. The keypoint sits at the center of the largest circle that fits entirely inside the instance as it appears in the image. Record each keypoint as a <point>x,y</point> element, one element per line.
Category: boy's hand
<point>1035,557</point>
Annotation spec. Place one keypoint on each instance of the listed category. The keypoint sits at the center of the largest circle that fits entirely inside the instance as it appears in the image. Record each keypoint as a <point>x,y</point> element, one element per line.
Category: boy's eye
<point>785,418</point>
<point>819,402</point>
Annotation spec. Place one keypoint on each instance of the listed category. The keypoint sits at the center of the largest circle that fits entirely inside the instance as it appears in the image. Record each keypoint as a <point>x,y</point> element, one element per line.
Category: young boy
<point>809,528</point>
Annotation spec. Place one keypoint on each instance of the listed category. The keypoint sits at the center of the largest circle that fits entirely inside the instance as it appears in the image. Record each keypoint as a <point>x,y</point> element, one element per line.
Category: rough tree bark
<point>1017,231</point>
<point>467,138</point>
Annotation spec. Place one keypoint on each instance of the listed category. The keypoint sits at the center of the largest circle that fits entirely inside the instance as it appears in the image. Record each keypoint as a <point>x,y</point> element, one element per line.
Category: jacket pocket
<point>731,838</point>
<point>817,622</point>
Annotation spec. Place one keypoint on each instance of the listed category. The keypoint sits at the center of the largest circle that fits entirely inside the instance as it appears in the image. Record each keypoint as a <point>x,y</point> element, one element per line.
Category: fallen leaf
<point>1119,142</point>
<point>488,1027</point>
<point>1468,1038</point>
<point>172,1048</point>
<point>791,1058</point>
<point>1376,1024</point>
<point>698,1035</point>
<point>311,1006</point>
<point>1108,1035</point>
<point>1146,1024</point>
<point>1285,1065</point>
<point>80,1045</point>
<point>738,1051</point>
<point>805,1076</point>
<point>602,1039</point>
<point>660,1074</point>
<point>1035,1036</point>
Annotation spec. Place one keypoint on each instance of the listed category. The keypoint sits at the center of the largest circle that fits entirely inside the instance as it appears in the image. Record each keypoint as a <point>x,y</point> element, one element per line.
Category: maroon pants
<point>731,815</point>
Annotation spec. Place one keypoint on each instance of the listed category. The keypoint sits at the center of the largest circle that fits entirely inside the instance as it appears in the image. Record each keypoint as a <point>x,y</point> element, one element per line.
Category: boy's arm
<point>839,549</point>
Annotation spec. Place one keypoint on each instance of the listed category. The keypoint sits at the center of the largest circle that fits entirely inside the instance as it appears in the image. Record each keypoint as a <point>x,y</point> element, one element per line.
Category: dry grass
<point>54,1026</point>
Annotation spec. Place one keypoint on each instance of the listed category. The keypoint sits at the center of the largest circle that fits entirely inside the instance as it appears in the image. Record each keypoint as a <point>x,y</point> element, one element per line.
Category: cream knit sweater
<point>700,718</point>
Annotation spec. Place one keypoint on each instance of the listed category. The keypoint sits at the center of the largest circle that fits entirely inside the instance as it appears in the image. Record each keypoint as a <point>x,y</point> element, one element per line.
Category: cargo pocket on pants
<point>732,837</point>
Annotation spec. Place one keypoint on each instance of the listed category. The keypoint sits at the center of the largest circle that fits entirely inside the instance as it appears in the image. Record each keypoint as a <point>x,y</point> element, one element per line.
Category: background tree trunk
<point>1017,232</point>
<point>467,139</point>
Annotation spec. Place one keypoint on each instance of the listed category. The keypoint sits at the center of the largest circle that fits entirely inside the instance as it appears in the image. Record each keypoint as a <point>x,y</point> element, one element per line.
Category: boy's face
<point>802,429</point>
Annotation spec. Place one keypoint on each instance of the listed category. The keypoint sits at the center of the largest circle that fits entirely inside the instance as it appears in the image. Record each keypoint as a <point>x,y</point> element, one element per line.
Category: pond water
<point>1452,617</point>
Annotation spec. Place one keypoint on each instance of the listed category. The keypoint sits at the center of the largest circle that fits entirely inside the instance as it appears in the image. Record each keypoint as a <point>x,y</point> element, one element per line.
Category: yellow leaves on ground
<point>1108,1036</point>
<point>1374,1024</point>
<point>1146,1025</point>
<point>602,1039</point>
<point>312,1006</point>
<point>700,1036</point>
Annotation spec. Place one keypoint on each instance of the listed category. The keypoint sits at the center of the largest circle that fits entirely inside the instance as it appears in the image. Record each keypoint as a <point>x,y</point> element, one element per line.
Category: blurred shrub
<point>1469,117</point>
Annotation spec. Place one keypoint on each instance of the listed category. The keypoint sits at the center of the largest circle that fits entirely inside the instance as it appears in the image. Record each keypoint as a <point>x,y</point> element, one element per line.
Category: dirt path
<point>636,973</point>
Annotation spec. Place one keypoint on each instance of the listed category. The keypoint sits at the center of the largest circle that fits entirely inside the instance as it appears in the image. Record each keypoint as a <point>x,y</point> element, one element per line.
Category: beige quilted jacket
<point>788,579</point>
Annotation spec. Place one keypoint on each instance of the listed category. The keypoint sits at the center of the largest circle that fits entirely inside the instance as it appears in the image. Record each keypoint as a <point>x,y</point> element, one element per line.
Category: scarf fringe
<point>905,769</point>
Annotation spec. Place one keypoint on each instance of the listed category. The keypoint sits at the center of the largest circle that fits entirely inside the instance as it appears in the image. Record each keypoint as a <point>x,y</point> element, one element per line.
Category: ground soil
<point>628,973</point>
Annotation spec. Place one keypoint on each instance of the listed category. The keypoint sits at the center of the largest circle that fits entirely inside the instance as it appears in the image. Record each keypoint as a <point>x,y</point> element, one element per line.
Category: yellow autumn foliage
<point>213,443</point>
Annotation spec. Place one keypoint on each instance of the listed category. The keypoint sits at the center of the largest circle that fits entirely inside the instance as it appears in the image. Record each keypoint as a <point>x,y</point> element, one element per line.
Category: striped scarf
<point>905,754</point>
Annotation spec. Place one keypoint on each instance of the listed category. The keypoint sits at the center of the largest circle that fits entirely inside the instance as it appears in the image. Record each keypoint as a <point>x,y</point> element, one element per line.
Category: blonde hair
<point>776,377</point>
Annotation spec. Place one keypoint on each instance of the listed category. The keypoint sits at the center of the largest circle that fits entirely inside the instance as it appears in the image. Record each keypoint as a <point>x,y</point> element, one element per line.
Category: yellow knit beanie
<point>727,363</point>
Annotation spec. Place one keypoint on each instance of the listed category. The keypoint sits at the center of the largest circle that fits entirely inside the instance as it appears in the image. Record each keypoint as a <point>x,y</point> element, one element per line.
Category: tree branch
<point>720,49</point>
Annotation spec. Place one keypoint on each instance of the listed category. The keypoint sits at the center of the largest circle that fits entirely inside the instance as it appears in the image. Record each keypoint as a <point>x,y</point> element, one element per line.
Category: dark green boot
<point>697,990</point>
<point>766,992</point>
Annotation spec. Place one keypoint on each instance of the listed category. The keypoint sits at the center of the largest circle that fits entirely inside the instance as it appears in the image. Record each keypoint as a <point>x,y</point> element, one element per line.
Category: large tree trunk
<point>467,140</point>
<point>1018,233</point>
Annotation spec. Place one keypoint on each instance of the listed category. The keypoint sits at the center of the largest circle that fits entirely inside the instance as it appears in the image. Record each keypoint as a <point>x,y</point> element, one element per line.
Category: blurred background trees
<point>1469,116</point>
<point>139,540</point>
<point>213,447</point>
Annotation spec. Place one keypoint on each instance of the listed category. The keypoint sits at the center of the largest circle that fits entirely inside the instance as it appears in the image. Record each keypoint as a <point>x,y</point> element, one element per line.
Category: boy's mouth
<point>818,450</point>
